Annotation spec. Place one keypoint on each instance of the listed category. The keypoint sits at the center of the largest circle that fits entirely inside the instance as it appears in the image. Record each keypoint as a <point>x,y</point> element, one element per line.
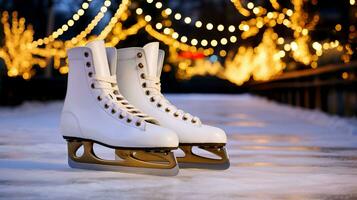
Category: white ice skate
<point>138,76</point>
<point>95,112</point>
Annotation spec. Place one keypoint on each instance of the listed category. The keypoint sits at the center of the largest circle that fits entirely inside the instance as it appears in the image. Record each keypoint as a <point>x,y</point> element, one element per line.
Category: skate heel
<point>127,160</point>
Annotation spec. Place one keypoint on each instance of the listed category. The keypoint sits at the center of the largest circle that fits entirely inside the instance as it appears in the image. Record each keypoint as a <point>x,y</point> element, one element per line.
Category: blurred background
<point>298,52</point>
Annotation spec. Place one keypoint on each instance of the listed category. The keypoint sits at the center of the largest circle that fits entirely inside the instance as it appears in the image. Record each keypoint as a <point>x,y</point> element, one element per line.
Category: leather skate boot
<point>138,76</point>
<point>95,112</point>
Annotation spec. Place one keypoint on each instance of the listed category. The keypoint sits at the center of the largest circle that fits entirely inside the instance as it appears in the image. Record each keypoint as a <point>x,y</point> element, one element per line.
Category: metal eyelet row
<point>116,92</point>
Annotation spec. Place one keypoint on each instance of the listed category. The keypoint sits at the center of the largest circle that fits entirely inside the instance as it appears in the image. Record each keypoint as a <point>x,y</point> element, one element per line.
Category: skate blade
<point>193,160</point>
<point>222,166</point>
<point>133,170</point>
<point>127,160</point>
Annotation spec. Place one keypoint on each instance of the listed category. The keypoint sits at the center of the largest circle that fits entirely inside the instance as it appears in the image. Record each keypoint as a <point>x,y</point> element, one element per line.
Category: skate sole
<point>132,170</point>
<point>121,147</point>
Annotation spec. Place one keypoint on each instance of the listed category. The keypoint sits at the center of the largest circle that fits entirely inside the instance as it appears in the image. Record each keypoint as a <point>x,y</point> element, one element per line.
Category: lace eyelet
<point>142,76</point>
<point>88,64</point>
<point>90,74</point>
<point>128,120</point>
<point>116,92</point>
<point>137,123</point>
<point>121,116</point>
<point>152,99</point>
<point>106,106</point>
<point>119,99</point>
<point>158,105</point>
<point>143,85</point>
<point>99,98</point>
<point>113,111</point>
<point>184,118</point>
<point>92,86</point>
<point>86,54</point>
<point>147,92</point>
<point>176,115</point>
<point>139,55</point>
<point>167,110</point>
<point>140,65</point>
<point>193,121</point>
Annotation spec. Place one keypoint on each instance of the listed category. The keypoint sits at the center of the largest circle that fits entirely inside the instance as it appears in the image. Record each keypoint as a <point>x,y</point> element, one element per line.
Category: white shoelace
<point>153,85</point>
<point>115,101</point>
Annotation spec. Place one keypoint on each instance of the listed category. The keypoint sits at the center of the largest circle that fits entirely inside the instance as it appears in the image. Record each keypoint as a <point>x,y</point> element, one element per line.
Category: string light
<point>65,27</point>
<point>237,68</point>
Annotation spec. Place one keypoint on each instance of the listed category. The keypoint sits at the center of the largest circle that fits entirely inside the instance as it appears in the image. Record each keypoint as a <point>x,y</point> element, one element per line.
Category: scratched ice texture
<point>276,152</point>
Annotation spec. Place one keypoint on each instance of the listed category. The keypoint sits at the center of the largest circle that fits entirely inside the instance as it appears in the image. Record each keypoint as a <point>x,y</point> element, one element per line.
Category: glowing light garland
<point>20,53</point>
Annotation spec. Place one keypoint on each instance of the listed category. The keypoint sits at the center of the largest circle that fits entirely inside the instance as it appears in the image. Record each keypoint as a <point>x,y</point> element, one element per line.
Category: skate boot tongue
<point>152,53</point>
<point>99,57</point>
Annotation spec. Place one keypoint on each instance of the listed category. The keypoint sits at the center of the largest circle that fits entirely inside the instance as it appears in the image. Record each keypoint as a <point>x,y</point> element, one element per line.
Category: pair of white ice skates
<point>113,99</point>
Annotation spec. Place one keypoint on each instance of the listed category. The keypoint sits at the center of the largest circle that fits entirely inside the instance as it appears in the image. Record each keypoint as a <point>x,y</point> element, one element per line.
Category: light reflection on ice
<point>277,152</point>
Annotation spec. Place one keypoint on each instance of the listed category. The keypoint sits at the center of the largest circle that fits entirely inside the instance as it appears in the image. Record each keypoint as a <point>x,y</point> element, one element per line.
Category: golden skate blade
<point>130,160</point>
<point>134,170</point>
<point>192,160</point>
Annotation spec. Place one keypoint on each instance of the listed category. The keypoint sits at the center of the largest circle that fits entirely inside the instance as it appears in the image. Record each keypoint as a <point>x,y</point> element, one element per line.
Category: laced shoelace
<point>116,102</point>
<point>153,90</point>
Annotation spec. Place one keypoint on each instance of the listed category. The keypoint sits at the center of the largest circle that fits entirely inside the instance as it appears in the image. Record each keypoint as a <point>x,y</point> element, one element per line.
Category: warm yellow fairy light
<point>175,35</point>
<point>256,10</point>
<point>70,22</point>
<point>289,12</point>
<point>139,11</point>
<point>338,27</point>
<point>147,18</point>
<point>198,24</point>
<point>177,16</point>
<point>187,20</point>
<point>280,40</point>
<point>168,11</point>
<point>266,52</point>
<point>167,31</point>
<point>85,5</point>
<point>158,5</point>
<point>183,39</point>
<point>224,41</point>
<point>204,42</point>
<point>317,46</point>
<point>75,17</point>
<point>245,27</point>
<point>103,9</point>
<point>80,12</point>
<point>250,5</point>
<point>107,3</point>
<point>214,43</point>
<point>294,46</point>
<point>220,27</point>
<point>222,53</point>
<point>158,25</point>
<point>287,47</point>
<point>233,39</point>
<point>231,28</point>
<point>194,42</point>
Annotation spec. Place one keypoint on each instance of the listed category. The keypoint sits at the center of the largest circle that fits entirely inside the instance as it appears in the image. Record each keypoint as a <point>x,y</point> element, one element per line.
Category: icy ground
<point>276,152</point>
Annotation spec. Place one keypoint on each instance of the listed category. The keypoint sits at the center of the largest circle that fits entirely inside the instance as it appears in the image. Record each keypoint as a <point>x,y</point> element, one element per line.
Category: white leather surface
<point>130,85</point>
<point>84,116</point>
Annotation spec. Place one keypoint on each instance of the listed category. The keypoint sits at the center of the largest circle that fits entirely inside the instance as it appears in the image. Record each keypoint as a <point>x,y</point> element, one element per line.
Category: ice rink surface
<point>276,152</point>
